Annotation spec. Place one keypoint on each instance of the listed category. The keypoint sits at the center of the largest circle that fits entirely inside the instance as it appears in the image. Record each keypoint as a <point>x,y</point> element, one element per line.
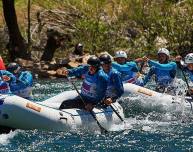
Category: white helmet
<point>121,54</point>
<point>189,58</point>
<point>164,51</point>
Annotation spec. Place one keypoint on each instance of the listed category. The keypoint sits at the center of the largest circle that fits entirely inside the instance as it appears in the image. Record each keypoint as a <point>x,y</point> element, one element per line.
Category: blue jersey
<point>4,87</point>
<point>115,86</point>
<point>128,72</point>
<point>6,79</point>
<point>190,73</point>
<point>23,85</point>
<point>7,76</point>
<point>94,86</point>
<point>164,73</point>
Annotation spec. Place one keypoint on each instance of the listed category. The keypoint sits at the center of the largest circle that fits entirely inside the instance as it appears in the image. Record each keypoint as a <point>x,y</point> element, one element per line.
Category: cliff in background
<point>139,27</point>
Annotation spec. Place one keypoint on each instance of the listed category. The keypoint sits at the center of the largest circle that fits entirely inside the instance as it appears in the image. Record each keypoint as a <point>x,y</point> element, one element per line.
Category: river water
<point>150,128</point>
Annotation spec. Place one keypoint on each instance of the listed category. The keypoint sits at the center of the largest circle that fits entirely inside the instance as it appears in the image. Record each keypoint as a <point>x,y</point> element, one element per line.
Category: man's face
<point>92,69</point>
<point>106,67</point>
<point>190,66</point>
<point>120,60</point>
<point>162,58</point>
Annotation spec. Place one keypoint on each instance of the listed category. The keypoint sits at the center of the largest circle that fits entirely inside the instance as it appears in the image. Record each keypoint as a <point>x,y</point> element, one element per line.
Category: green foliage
<point>4,55</point>
<point>133,25</point>
<point>48,4</point>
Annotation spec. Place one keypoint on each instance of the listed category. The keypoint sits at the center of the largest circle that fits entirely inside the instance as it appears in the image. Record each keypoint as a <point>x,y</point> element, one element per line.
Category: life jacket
<point>7,76</point>
<point>23,86</point>
<point>190,74</point>
<point>4,87</point>
<point>89,86</point>
<point>111,89</point>
<point>163,77</point>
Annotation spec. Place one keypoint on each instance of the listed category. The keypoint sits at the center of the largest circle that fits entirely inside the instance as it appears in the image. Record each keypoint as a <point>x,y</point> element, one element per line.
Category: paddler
<point>24,81</point>
<point>93,88</point>
<point>115,86</point>
<point>129,70</point>
<point>187,67</point>
<point>164,71</point>
<point>6,78</point>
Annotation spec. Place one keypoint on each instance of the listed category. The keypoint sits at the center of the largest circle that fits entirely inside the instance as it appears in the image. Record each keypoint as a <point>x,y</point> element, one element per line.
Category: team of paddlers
<point>103,77</point>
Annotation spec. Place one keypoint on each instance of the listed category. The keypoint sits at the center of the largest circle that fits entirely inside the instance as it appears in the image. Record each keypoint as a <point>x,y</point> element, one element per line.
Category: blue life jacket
<point>7,76</point>
<point>89,86</point>
<point>6,79</point>
<point>163,77</point>
<point>115,86</point>
<point>4,87</point>
<point>94,86</point>
<point>190,73</point>
<point>23,86</point>
<point>164,73</point>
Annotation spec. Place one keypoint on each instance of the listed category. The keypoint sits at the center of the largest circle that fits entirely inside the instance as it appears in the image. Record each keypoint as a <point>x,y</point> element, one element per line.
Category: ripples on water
<point>151,128</point>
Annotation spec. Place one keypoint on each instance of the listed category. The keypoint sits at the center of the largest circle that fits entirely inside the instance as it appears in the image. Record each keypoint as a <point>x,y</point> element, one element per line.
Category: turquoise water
<point>151,128</point>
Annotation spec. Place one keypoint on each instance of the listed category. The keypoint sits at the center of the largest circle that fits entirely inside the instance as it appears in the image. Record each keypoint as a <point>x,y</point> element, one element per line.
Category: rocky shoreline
<point>43,69</point>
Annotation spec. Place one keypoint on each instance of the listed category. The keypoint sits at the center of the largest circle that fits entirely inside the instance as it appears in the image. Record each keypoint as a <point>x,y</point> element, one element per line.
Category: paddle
<point>181,64</point>
<point>141,67</point>
<point>143,63</point>
<point>103,130</point>
<point>117,113</point>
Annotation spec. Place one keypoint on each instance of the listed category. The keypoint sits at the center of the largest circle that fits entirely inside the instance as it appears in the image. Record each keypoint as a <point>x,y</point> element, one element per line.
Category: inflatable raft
<point>157,98</point>
<point>20,113</point>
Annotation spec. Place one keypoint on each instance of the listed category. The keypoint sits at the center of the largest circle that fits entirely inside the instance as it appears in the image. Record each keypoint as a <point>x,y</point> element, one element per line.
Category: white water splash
<point>5,138</point>
<point>146,128</point>
<point>120,127</point>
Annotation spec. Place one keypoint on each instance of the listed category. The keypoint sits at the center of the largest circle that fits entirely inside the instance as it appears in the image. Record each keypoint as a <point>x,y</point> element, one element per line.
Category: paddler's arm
<point>167,66</point>
<point>134,66</point>
<point>78,72</point>
<point>26,78</point>
<point>101,87</point>
<point>131,65</point>
<point>118,85</point>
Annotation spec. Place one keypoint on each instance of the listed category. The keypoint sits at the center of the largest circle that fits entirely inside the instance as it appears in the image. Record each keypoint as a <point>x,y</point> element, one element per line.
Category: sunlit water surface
<point>151,127</point>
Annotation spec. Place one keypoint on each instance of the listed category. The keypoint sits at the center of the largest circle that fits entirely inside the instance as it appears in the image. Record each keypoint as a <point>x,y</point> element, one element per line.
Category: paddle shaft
<point>117,113</point>
<point>185,78</point>
<point>141,67</point>
<point>180,66</point>
<point>91,112</point>
<point>188,87</point>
